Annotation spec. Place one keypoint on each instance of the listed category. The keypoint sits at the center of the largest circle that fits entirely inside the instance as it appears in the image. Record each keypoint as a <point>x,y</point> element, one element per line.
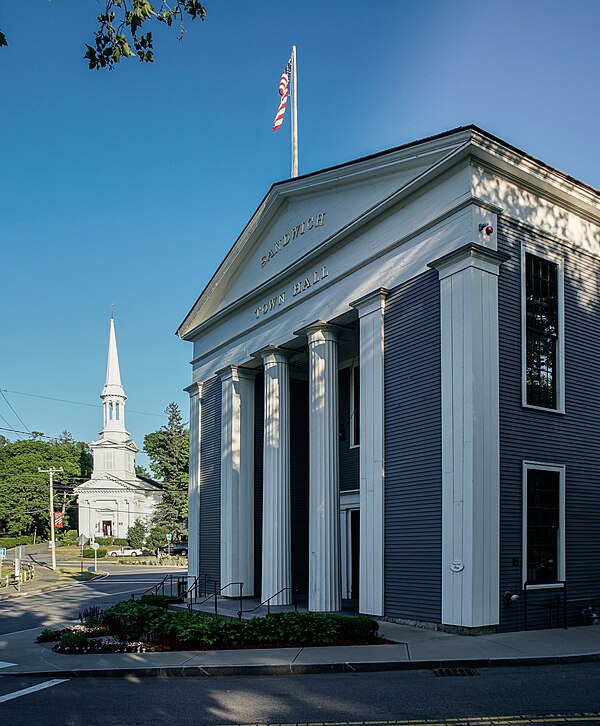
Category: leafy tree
<point>157,538</point>
<point>65,438</point>
<point>168,450</point>
<point>120,35</point>
<point>136,534</point>
<point>24,491</point>
<point>142,471</point>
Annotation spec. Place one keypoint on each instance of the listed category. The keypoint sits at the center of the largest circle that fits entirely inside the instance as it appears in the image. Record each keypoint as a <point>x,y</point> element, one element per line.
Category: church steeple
<point>113,396</point>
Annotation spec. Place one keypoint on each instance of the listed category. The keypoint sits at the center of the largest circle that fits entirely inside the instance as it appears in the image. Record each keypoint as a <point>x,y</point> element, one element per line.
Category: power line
<point>5,421</point>
<point>13,410</point>
<point>75,403</point>
<point>38,435</point>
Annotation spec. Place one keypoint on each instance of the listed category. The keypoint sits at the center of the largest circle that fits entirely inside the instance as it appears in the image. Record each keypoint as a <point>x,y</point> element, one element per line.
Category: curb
<point>309,668</point>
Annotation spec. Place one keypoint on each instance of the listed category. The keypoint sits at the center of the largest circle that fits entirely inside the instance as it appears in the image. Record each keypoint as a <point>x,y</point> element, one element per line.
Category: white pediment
<point>300,215</point>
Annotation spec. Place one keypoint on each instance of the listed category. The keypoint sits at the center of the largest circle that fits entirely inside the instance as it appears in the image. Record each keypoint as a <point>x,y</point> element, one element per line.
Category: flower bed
<point>139,626</point>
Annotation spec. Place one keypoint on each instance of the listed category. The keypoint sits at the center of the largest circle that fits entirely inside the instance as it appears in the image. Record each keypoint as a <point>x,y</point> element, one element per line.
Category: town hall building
<point>395,394</point>
<point>115,497</point>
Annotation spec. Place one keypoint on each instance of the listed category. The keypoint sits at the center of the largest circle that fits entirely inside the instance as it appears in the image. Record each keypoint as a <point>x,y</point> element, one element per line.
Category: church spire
<point>113,374</point>
<point>113,396</point>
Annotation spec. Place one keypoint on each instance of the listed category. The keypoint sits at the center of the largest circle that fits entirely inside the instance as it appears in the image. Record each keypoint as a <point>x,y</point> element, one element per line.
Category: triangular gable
<point>109,482</point>
<point>298,215</point>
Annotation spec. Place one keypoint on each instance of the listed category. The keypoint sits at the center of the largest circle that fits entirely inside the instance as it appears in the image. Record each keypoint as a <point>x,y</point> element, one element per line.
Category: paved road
<point>62,606</point>
<point>521,694</point>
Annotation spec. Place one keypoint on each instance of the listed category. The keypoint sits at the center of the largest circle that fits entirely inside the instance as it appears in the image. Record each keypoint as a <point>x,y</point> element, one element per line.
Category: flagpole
<point>294,115</point>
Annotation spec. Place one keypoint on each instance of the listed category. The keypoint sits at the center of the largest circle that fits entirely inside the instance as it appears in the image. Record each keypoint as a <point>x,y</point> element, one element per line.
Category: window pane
<point>541,317</point>
<point>543,490</point>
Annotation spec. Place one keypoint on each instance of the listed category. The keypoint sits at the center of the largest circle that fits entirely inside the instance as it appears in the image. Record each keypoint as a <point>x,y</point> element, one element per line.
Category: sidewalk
<point>414,648</point>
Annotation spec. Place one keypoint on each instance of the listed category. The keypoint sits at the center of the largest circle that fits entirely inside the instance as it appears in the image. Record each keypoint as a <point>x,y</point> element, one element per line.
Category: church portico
<point>281,430</point>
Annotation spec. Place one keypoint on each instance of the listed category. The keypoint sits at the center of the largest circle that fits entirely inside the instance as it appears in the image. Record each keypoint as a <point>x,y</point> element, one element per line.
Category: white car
<point>126,552</point>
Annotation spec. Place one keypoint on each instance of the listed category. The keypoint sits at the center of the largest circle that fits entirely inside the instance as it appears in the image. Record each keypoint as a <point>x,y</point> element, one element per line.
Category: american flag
<point>284,85</point>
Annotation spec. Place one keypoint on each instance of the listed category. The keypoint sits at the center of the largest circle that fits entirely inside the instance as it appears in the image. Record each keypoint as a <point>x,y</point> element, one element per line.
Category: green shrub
<point>92,617</point>
<point>303,629</point>
<point>70,536</point>
<point>47,635</point>
<point>162,600</point>
<point>146,618</point>
<point>10,542</point>
<point>356,630</point>
<point>195,630</point>
<point>130,619</point>
<point>88,552</point>
<point>73,638</point>
<point>111,541</point>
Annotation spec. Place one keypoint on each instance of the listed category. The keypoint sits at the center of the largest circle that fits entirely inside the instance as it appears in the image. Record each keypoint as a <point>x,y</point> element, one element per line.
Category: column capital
<point>194,389</point>
<point>272,354</point>
<point>235,372</point>
<point>320,331</point>
<point>469,255</point>
<point>371,302</point>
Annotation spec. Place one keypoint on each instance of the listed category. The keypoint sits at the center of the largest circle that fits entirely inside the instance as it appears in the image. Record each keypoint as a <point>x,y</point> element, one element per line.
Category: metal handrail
<point>216,594</point>
<point>195,586</point>
<point>161,586</point>
<point>559,584</point>
<point>267,602</point>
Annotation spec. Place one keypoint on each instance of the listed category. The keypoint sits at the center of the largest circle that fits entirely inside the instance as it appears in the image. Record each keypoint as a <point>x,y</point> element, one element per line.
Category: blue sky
<point>129,187</point>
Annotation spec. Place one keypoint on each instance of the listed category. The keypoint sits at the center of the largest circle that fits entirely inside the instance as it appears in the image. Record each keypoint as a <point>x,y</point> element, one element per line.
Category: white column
<point>195,391</point>
<point>371,352</point>
<point>276,536</point>
<point>470,436</point>
<point>237,480</point>
<point>325,582</point>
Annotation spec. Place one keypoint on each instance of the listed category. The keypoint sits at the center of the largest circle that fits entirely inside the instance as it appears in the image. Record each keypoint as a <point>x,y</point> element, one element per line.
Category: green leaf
<point>3,40</point>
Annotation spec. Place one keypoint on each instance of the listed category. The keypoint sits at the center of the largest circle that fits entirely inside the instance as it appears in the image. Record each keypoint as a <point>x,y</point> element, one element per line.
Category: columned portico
<point>325,587</point>
<point>237,479</point>
<point>276,544</point>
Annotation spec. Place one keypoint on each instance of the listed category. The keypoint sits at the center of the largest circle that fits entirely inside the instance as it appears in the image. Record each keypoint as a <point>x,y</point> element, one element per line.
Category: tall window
<point>542,331</point>
<point>544,524</point>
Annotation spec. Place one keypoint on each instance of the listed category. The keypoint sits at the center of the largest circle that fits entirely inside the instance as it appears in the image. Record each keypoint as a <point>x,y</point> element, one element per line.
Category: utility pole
<point>52,539</point>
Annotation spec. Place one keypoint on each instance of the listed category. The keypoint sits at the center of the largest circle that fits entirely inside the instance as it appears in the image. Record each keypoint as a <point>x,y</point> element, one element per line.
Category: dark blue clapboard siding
<point>210,480</point>
<point>413,463</point>
<point>572,439</point>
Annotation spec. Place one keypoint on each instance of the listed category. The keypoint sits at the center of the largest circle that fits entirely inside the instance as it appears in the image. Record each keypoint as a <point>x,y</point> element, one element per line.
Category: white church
<point>115,497</point>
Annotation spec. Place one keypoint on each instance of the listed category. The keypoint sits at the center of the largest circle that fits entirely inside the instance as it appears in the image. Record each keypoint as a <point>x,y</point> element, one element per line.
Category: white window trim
<point>353,443</point>
<point>562,572</point>
<point>560,352</point>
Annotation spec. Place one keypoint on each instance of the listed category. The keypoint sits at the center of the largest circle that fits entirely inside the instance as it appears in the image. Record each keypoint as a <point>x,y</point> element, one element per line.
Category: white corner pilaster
<point>470,435</point>
<point>237,480</point>
<point>325,575</point>
<point>277,532</point>
<point>371,353</point>
<point>195,391</point>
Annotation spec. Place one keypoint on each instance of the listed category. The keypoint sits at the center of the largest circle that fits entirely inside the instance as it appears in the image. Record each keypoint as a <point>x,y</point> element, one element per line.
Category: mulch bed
<point>95,646</point>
